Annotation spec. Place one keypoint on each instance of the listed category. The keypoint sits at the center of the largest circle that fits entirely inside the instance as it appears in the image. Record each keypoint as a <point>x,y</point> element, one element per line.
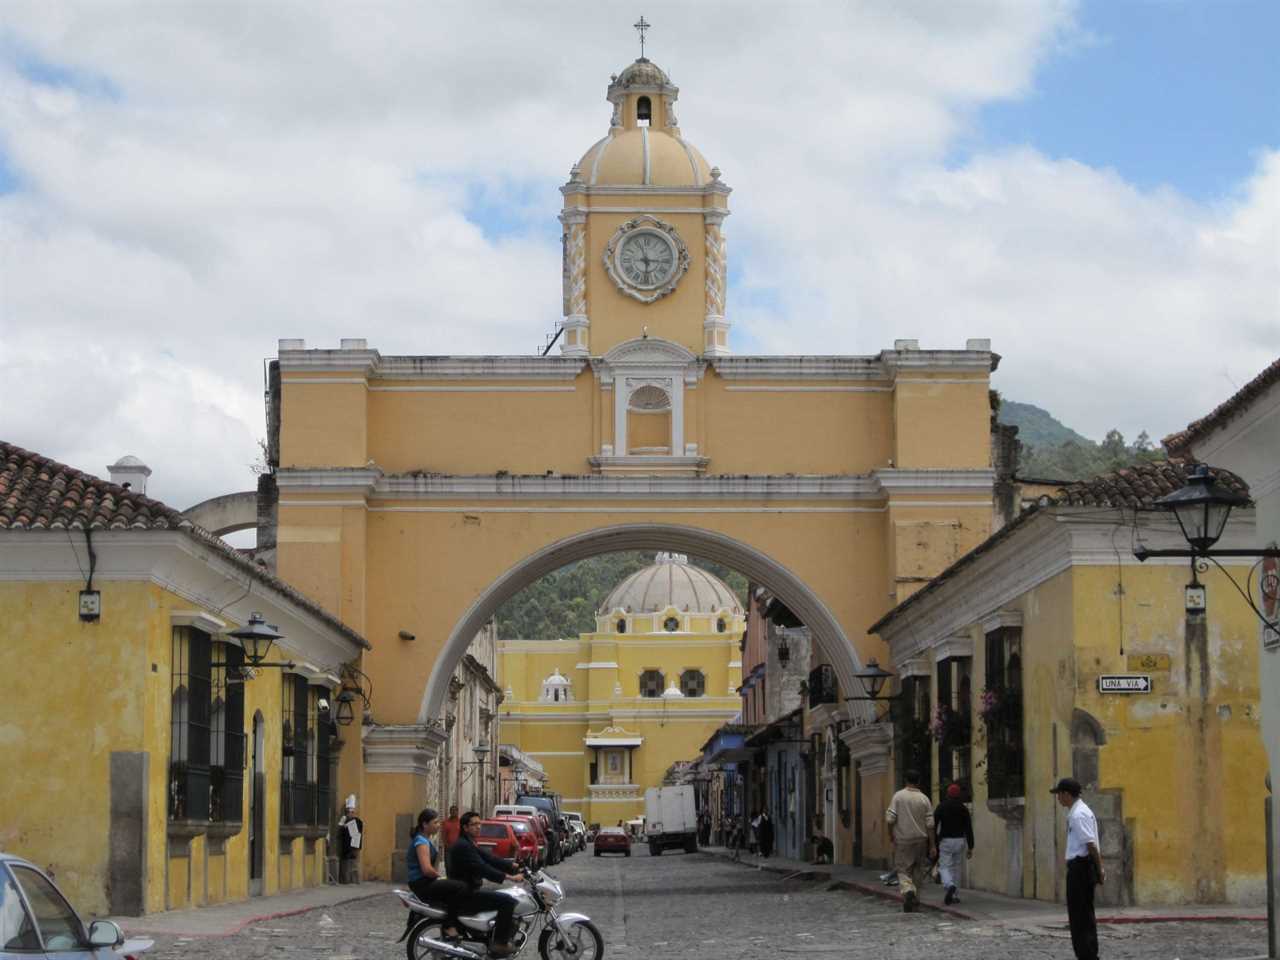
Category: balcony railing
<point>822,685</point>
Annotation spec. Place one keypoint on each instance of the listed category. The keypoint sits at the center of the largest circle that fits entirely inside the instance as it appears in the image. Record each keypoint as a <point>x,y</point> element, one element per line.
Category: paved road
<point>680,907</point>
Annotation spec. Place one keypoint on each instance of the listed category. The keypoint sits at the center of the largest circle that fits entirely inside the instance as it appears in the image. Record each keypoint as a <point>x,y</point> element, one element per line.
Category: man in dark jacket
<point>473,866</point>
<point>954,829</point>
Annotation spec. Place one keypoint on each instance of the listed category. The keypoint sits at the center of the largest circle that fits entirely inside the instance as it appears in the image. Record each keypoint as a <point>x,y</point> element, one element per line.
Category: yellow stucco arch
<point>749,560</point>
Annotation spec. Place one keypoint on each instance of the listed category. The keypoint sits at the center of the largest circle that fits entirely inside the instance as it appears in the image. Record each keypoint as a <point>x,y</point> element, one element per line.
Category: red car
<point>612,840</point>
<point>498,838</point>
<point>531,851</point>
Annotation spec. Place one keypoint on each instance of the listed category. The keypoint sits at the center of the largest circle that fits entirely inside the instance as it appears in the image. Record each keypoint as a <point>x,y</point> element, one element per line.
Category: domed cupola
<point>672,583</point>
<point>556,688</point>
<point>644,146</point>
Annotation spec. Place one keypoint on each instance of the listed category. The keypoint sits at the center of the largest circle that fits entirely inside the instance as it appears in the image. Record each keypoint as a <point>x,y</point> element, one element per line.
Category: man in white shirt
<point>1084,868</point>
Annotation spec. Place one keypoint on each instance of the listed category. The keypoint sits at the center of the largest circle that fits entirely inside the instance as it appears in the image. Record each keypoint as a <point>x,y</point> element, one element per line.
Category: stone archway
<point>746,559</point>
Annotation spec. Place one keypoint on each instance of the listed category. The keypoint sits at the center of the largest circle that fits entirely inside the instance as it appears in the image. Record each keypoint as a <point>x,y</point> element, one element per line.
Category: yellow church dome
<point>672,582</point>
<point>644,146</point>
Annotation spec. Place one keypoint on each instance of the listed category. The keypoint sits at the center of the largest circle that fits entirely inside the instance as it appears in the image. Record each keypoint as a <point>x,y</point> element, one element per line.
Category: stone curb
<point>886,894</point>
<point>241,925</point>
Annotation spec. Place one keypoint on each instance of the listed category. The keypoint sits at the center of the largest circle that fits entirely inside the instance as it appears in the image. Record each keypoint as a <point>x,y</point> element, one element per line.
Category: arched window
<point>721,626</point>
<point>644,111</point>
<point>621,625</point>
<point>693,683</point>
<point>671,624</point>
<point>651,684</point>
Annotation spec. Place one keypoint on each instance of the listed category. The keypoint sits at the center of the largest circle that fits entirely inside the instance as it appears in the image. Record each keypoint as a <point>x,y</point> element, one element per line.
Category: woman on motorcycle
<point>423,859</point>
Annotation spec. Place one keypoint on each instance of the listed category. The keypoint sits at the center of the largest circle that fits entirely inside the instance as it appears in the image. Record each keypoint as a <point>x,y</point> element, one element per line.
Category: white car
<point>37,921</point>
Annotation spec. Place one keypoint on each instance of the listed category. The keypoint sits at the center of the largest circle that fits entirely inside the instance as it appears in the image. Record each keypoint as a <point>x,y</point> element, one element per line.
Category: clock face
<point>647,258</point>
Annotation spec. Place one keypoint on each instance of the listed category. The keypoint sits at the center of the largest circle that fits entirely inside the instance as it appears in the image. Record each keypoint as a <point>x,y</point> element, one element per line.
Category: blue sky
<point>1177,93</point>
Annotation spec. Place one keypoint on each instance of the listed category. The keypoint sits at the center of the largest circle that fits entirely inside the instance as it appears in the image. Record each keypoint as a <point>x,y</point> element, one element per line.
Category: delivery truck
<point>670,819</point>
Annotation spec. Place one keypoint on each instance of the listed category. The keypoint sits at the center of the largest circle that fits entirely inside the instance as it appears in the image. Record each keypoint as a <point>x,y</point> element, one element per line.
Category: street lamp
<point>256,638</point>
<point>1201,508</point>
<point>873,679</point>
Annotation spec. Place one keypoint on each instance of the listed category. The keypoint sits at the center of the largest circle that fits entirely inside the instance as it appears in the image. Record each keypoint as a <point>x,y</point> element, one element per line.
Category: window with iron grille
<point>189,724</point>
<point>822,685</point>
<point>652,683</point>
<point>912,741</point>
<point>226,734</point>
<point>295,800</point>
<point>693,683</point>
<point>1002,713</point>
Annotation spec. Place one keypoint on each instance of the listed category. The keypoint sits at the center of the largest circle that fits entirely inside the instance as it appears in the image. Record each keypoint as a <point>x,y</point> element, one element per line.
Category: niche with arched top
<point>649,422</point>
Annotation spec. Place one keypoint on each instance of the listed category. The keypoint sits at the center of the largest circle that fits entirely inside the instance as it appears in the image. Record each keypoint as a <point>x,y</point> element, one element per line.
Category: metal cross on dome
<point>641,26</point>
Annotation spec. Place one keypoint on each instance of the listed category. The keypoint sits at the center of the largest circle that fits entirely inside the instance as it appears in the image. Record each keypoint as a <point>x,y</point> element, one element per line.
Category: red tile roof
<point>1178,444</point>
<point>37,493</point>
<point>1139,485</point>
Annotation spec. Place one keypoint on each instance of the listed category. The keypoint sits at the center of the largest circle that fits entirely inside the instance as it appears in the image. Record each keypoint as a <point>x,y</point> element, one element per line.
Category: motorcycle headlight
<point>550,891</point>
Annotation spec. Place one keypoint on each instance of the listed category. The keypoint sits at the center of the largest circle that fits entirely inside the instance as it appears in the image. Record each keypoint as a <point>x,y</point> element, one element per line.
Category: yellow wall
<point>65,753</point>
<point>1177,756</point>
<point>673,730</point>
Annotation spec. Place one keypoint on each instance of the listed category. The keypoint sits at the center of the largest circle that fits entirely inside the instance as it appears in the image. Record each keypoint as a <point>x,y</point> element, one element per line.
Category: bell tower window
<point>644,112</point>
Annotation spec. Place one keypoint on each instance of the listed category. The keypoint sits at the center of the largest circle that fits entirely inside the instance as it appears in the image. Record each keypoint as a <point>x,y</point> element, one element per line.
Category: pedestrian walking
<point>350,840</point>
<point>736,841</point>
<point>764,834</point>
<point>910,822</point>
<point>451,829</point>
<point>953,828</point>
<point>1084,868</point>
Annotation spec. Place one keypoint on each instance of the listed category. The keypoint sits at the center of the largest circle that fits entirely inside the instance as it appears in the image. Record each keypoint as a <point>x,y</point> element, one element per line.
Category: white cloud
<point>228,174</point>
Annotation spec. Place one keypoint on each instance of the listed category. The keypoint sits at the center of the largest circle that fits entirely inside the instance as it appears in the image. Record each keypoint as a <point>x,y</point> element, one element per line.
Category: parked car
<point>576,824</point>
<point>533,848</point>
<point>612,840</point>
<point>37,921</point>
<point>498,838</point>
<point>548,803</point>
<point>568,842</point>
<point>514,810</point>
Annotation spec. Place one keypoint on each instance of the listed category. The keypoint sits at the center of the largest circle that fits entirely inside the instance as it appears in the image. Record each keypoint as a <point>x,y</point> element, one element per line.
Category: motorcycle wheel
<point>582,941</point>
<point>427,928</point>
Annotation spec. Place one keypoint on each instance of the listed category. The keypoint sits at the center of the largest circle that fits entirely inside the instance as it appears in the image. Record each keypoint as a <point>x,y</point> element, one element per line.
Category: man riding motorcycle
<point>471,865</point>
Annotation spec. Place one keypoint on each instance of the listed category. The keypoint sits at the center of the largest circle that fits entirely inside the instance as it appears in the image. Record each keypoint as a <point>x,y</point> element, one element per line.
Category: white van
<point>514,810</point>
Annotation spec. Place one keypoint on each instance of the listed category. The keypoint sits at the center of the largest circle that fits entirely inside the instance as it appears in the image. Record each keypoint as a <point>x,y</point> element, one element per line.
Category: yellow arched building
<point>608,714</point>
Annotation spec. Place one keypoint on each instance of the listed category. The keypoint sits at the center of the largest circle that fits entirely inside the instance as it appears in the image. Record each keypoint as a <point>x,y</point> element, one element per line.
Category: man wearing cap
<point>954,828</point>
<point>1084,868</point>
<point>910,822</point>
<point>350,840</point>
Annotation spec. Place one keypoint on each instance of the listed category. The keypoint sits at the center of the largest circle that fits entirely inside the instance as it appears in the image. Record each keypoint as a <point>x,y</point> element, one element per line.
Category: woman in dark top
<point>954,829</point>
<point>423,862</point>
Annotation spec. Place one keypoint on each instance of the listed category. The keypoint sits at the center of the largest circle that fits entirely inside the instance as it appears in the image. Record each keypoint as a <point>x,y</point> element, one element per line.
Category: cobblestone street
<point>700,906</point>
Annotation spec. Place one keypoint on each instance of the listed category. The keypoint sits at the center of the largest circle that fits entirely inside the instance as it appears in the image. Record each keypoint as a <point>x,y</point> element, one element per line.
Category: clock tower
<point>644,252</point>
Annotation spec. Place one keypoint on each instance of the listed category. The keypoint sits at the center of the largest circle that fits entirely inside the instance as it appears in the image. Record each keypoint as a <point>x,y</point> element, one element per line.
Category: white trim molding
<point>402,748</point>
<point>870,745</point>
<point>915,667</point>
<point>1000,618</point>
<point>201,621</point>
<point>954,648</point>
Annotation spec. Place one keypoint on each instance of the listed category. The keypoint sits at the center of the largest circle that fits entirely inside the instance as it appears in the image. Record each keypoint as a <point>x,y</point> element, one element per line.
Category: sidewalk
<point>988,907</point>
<point>224,919</point>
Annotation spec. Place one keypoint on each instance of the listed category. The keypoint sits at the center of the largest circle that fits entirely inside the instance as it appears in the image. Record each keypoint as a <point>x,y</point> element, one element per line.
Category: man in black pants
<point>473,866</point>
<point>1084,868</point>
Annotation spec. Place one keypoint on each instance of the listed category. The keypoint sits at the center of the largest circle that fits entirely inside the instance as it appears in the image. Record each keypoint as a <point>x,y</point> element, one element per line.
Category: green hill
<point>1038,427</point>
<point>1052,451</point>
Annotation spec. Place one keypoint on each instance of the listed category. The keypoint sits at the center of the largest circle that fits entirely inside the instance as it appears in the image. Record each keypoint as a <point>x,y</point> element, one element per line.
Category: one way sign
<point>1124,683</point>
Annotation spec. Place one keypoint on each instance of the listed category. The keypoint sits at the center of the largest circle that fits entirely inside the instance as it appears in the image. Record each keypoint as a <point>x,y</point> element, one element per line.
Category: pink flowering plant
<point>989,703</point>
<point>948,726</point>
